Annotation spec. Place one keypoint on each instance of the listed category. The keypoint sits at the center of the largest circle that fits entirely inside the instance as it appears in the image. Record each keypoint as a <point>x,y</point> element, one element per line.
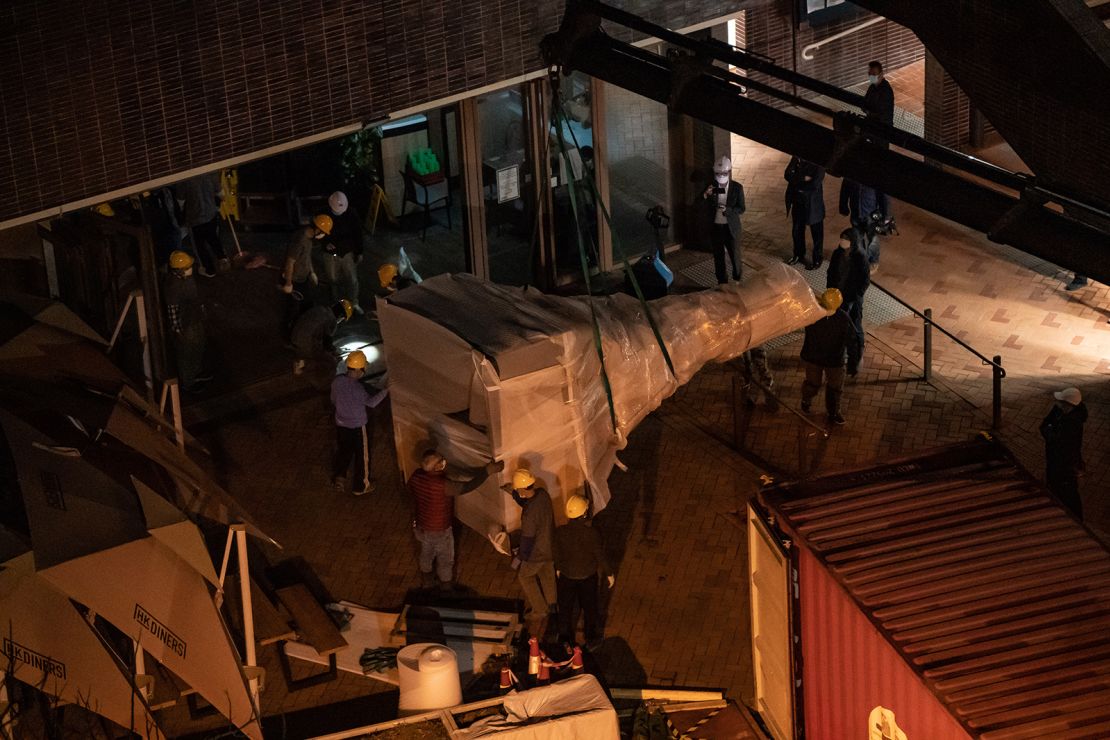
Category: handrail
<point>848,32</point>
<point>929,320</point>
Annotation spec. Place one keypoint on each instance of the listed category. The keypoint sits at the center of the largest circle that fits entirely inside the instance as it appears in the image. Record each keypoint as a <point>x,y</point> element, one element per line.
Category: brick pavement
<point>993,297</point>
<point>678,614</point>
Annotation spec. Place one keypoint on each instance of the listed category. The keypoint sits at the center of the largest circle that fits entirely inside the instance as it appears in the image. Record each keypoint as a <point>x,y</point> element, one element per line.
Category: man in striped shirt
<point>433,493</point>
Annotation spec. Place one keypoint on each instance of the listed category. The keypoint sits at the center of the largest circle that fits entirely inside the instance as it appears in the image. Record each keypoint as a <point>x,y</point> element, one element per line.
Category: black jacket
<point>850,272</point>
<point>1063,437</point>
<point>734,206</point>
<point>878,102</point>
<point>346,233</point>
<point>806,198</point>
<point>829,339</point>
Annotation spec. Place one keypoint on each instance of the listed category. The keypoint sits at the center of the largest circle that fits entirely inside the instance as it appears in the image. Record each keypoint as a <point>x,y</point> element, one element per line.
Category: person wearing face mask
<point>850,273</point>
<point>722,204</point>
<point>298,276</point>
<point>878,105</point>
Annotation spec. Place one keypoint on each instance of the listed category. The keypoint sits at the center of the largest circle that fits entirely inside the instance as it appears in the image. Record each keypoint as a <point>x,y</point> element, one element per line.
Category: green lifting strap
<point>586,277</point>
<point>558,107</point>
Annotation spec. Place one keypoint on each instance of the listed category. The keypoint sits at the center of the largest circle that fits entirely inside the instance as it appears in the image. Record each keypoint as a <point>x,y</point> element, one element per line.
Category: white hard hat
<point>723,166</point>
<point>337,202</point>
<point>1071,395</point>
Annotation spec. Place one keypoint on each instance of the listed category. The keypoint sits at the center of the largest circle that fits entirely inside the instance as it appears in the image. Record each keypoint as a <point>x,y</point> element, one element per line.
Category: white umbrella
<point>122,552</point>
<point>47,644</point>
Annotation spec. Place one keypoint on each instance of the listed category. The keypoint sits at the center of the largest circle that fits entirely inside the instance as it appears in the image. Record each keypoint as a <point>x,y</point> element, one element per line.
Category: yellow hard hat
<point>523,478</point>
<point>386,273</point>
<point>356,360</point>
<point>324,223</point>
<point>348,310</point>
<point>181,260</point>
<point>830,300</point>
<point>576,506</point>
<point>105,209</point>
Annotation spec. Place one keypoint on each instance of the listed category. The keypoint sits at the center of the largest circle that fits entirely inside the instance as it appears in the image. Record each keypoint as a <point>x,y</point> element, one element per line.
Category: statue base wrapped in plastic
<point>490,371</point>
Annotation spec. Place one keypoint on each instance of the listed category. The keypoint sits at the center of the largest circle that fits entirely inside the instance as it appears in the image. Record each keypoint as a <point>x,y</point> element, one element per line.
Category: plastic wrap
<point>486,371</point>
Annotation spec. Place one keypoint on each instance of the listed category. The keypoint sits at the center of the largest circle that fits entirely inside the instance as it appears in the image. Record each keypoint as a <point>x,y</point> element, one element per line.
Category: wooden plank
<point>313,623</point>
<point>666,694</point>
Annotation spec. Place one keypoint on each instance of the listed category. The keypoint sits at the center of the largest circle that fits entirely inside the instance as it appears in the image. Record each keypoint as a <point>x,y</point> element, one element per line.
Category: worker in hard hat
<point>827,343</point>
<point>433,488</point>
<point>344,251</point>
<point>312,333</point>
<point>579,560</point>
<point>185,316</point>
<point>353,425</point>
<point>298,275</point>
<point>535,557</point>
<point>722,202</point>
<point>391,279</point>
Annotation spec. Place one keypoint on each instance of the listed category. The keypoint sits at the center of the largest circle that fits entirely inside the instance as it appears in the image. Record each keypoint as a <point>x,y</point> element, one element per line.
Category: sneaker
<point>813,265</point>
<point>1076,285</point>
<point>837,419</point>
<point>204,273</point>
<point>794,260</point>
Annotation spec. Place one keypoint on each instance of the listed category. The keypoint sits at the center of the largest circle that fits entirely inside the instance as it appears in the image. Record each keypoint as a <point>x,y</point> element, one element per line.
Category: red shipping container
<point>947,589</point>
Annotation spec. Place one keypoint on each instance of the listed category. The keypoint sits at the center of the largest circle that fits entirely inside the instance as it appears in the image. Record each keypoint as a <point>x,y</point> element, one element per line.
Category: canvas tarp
<point>490,371</point>
<point>573,709</point>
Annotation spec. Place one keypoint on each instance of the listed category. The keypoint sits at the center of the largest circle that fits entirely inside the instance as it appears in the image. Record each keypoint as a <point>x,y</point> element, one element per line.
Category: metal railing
<point>997,371</point>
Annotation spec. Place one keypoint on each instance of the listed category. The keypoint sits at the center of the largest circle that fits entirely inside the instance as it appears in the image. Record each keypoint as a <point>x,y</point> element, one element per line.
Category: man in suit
<point>878,105</point>
<point>805,198</point>
<point>722,204</point>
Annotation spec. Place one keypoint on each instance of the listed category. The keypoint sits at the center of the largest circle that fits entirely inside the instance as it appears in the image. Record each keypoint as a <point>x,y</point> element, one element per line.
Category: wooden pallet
<point>497,630</point>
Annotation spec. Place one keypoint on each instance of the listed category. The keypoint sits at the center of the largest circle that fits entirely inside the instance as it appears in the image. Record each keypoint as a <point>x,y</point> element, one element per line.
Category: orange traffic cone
<point>576,659</point>
<point>507,679</point>
<point>534,659</point>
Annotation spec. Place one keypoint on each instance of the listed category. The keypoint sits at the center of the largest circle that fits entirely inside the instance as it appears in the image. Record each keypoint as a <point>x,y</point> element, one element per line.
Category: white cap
<point>723,166</point>
<point>337,202</point>
<point>1071,395</point>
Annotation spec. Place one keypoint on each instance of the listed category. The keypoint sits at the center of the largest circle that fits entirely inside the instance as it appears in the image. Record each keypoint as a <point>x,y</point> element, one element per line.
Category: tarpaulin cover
<point>574,709</point>
<point>489,371</point>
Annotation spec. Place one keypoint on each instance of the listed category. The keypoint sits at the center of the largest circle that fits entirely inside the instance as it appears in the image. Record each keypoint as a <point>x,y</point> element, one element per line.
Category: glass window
<point>572,168</point>
<point>507,186</point>
<point>637,146</point>
<point>420,179</point>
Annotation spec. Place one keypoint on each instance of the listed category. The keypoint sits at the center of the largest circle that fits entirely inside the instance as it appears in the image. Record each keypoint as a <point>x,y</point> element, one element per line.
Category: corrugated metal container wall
<point>849,668</point>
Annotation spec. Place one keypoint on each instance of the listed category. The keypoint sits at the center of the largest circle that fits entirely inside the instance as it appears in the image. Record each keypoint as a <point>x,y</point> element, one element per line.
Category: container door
<point>769,576</point>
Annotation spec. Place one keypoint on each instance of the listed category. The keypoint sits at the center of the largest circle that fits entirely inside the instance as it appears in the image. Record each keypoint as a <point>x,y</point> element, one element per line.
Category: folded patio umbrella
<point>46,642</point>
<point>115,545</point>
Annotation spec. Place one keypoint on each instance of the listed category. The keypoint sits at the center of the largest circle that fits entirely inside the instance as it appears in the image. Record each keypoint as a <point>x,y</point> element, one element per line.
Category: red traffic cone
<point>534,660</point>
<point>576,659</point>
<point>507,679</point>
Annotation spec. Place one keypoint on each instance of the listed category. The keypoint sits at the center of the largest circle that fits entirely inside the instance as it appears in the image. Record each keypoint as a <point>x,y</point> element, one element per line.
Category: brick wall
<point>1040,71</point>
<point>97,95</point>
<point>769,30</point>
